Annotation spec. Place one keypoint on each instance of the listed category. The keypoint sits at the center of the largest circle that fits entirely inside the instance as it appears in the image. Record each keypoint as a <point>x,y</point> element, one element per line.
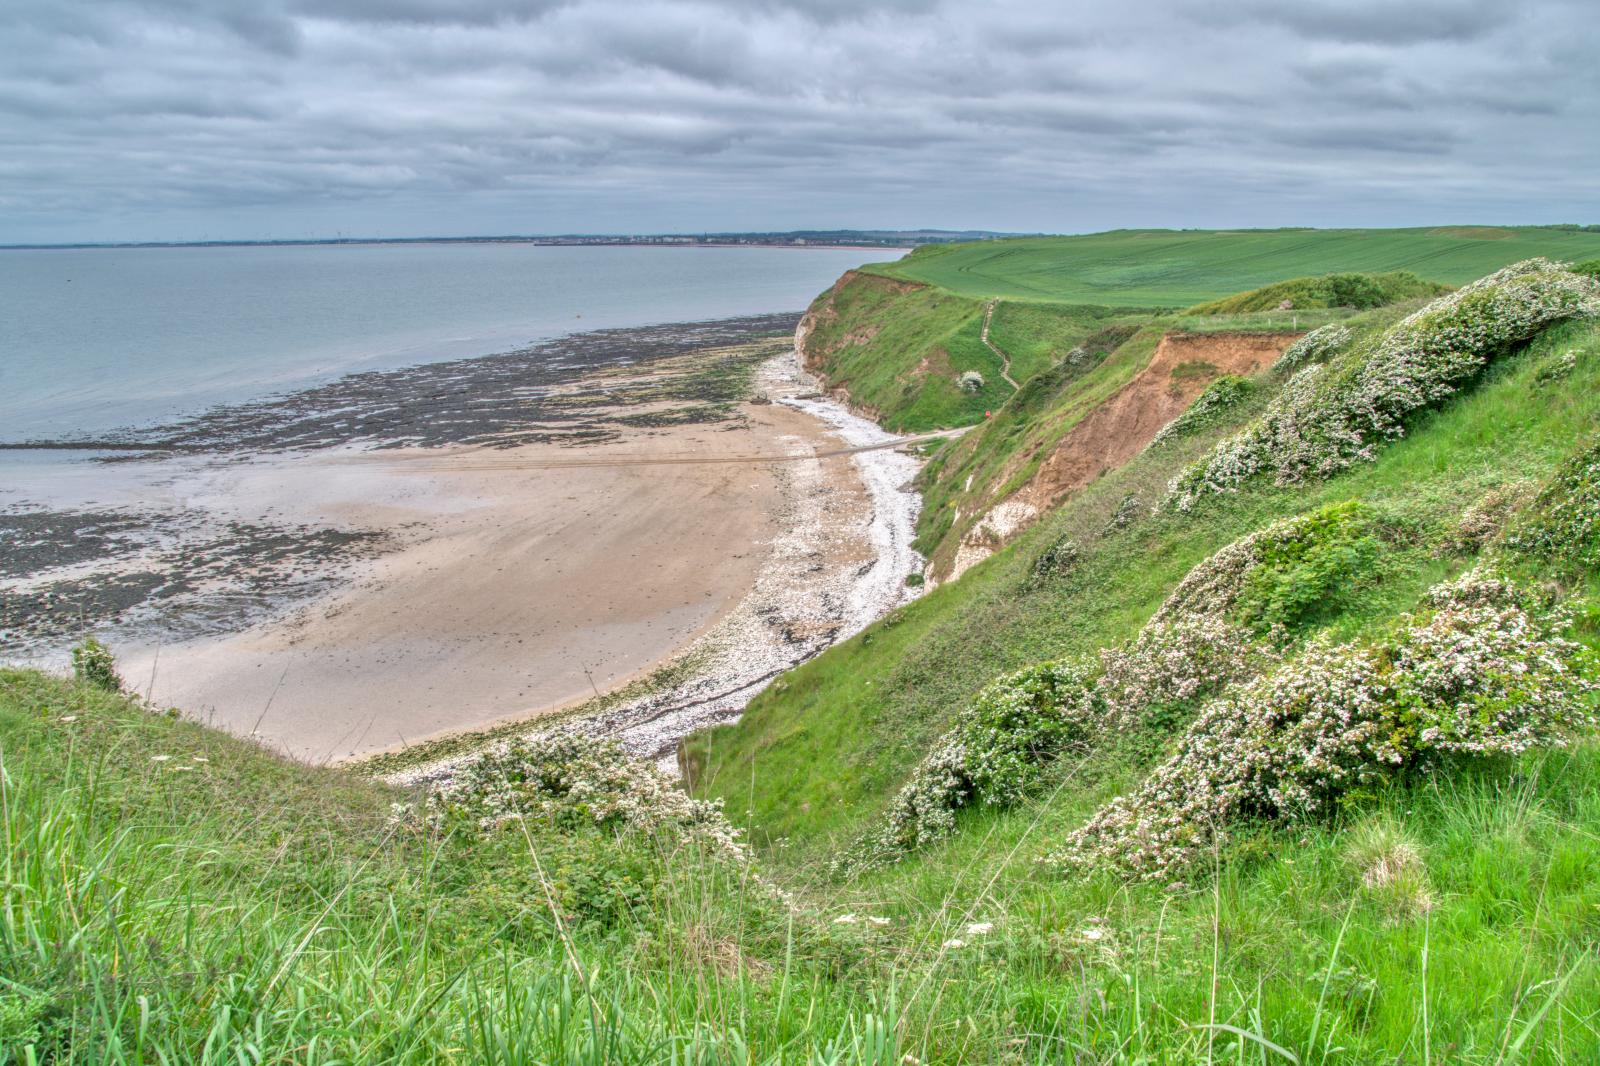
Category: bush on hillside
<point>1318,346</point>
<point>1308,568</point>
<point>1003,741</point>
<point>1589,267</point>
<point>93,664</point>
<point>1479,673</point>
<point>1215,586</point>
<point>1328,417</point>
<point>1058,560</point>
<point>997,748</point>
<point>1359,291</point>
<point>571,779</point>
<point>1127,512</point>
<point>1207,409</point>
<point>1558,369</point>
<point>1564,521</point>
<point>1487,516</point>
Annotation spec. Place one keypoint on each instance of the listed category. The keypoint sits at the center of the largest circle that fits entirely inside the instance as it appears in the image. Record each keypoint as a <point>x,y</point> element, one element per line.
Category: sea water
<point>97,339</point>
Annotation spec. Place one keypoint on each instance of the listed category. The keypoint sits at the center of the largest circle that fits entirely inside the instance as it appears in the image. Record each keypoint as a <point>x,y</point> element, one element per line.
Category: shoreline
<point>352,598</point>
<point>840,564</point>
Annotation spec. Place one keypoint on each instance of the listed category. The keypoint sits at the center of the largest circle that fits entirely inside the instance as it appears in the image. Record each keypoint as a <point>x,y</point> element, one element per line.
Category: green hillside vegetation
<point>1358,291</point>
<point>1274,744</point>
<point>1171,268</point>
<point>858,752</point>
<point>899,351</point>
<point>1045,409</point>
<point>897,337</point>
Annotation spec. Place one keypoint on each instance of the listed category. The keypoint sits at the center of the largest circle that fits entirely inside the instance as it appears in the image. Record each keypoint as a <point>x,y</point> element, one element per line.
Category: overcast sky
<point>188,119</point>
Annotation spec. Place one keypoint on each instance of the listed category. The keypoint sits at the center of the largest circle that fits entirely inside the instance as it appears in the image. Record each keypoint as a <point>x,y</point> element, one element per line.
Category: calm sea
<point>96,339</point>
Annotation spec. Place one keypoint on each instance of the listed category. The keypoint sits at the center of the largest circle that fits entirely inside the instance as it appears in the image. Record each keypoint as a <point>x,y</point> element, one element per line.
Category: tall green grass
<point>251,911</point>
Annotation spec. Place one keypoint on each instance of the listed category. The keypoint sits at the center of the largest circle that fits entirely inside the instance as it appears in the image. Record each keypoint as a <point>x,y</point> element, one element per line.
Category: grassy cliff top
<point>1172,268</point>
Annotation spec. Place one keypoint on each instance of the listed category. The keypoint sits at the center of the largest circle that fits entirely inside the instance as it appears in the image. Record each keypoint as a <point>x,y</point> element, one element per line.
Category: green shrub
<point>1318,346</point>
<point>1480,673</point>
<point>574,781</point>
<point>1328,417</point>
<point>1564,521</point>
<point>1207,409</point>
<point>997,749</point>
<point>93,664</point>
<point>1309,569</point>
<point>1589,267</point>
<point>1056,561</point>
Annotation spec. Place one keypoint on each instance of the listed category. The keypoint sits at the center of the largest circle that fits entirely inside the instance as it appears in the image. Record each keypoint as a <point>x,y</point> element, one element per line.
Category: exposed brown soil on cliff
<point>1182,366</point>
<point>1119,429</point>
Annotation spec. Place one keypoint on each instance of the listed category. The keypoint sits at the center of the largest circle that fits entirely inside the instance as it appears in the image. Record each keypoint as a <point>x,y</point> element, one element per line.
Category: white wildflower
<point>1330,416</point>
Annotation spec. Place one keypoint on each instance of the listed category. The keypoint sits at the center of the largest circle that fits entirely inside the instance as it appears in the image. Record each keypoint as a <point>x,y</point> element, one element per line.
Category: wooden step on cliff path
<point>1005,360</point>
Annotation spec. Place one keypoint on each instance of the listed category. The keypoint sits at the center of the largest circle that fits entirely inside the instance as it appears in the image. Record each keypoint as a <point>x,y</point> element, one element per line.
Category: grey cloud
<point>1379,21</point>
<point>172,118</point>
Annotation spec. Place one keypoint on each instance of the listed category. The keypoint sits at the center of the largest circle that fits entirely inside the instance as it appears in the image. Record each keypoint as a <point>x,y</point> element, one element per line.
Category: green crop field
<point>1133,268</point>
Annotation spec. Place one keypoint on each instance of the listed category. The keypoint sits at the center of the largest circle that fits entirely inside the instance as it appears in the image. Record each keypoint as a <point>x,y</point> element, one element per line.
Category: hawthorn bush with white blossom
<point>997,748</point>
<point>1564,521</point>
<point>1330,416</point>
<point>1001,744</point>
<point>1318,346</point>
<point>568,779</point>
<point>1481,672</point>
<point>1220,396</point>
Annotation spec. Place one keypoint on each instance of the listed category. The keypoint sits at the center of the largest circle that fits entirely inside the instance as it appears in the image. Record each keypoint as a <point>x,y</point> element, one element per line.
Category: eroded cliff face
<point>817,341</point>
<point>1182,365</point>
<point>882,346</point>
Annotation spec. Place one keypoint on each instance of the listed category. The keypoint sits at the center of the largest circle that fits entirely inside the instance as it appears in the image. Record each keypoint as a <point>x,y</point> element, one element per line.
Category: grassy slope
<point>968,474</point>
<point>900,350</point>
<point>1169,268</point>
<point>838,735</point>
<point>172,895</point>
<point>1288,936</point>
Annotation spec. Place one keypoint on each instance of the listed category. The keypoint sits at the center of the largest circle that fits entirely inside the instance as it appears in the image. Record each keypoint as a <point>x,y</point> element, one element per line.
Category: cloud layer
<point>149,119</point>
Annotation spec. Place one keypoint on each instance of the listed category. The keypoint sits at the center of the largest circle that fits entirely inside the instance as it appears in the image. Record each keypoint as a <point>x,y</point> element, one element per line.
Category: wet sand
<point>398,562</point>
<point>525,583</point>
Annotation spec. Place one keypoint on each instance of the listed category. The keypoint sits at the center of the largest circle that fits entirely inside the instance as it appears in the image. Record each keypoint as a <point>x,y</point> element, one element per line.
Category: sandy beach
<point>530,579</point>
<point>708,513</point>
